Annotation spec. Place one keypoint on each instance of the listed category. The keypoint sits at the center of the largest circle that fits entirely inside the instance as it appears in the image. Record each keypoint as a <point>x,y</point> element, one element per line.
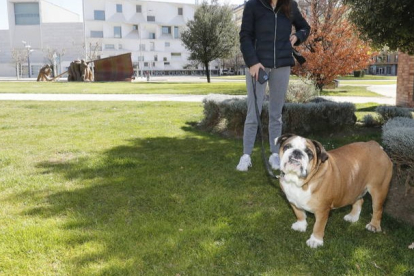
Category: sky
<point>76,6</point>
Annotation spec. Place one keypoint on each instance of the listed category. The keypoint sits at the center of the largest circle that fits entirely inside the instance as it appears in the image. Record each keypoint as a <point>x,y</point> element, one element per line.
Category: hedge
<point>227,115</point>
<point>398,141</point>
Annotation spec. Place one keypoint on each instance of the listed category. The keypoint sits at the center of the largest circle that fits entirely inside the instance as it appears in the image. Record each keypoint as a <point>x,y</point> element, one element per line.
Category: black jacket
<point>265,33</point>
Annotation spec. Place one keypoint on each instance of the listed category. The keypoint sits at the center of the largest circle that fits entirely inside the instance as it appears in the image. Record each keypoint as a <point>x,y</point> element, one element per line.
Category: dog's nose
<point>297,154</point>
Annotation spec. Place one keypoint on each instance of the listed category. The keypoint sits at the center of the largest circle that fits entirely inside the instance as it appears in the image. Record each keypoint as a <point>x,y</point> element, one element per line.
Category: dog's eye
<point>309,153</point>
<point>285,148</point>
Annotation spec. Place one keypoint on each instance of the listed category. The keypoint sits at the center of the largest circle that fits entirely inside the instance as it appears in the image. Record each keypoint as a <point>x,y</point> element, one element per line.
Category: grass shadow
<point>163,206</point>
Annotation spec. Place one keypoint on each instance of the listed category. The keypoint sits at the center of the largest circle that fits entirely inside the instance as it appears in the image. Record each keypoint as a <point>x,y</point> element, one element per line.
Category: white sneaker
<point>274,161</point>
<point>245,163</point>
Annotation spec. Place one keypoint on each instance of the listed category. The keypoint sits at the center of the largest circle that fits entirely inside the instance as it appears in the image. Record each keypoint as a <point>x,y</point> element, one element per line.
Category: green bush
<point>234,112</point>
<point>389,112</point>
<point>298,118</point>
<point>317,117</point>
<point>398,141</point>
<point>359,74</point>
<point>300,92</point>
<point>398,137</point>
<point>211,115</point>
<point>372,121</point>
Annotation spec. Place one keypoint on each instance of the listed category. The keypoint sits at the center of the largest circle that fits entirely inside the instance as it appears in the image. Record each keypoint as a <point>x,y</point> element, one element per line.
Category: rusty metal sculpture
<point>44,73</point>
<point>79,70</point>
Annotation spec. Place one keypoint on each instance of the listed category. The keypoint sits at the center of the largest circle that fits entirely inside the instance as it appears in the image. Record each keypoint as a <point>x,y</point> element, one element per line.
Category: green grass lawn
<point>368,77</point>
<point>358,91</point>
<point>367,82</point>
<point>230,88</point>
<point>134,189</point>
<point>201,88</point>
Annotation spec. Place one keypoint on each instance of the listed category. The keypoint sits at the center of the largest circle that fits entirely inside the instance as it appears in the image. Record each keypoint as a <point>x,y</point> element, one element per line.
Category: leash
<point>269,173</point>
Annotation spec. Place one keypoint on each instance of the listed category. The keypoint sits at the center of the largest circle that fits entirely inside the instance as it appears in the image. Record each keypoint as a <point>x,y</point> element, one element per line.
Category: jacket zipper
<point>274,41</point>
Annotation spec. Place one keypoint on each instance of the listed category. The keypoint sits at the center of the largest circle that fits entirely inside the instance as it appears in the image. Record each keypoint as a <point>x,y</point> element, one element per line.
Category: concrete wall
<point>63,37</point>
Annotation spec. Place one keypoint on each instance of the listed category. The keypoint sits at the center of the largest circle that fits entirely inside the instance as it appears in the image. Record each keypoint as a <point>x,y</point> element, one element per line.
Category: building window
<point>135,27</point>
<point>142,47</point>
<point>175,54</point>
<point>167,63</point>
<point>166,30</point>
<point>167,44</point>
<point>176,32</point>
<point>120,46</point>
<point>97,34</point>
<point>164,59</point>
<point>117,32</point>
<point>151,35</point>
<point>180,11</point>
<point>109,46</point>
<point>26,13</point>
<point>146,64</point>
<point>138,8</point>
<point>152,46</point>
<point>119,8</point>
<point>140,58</point>
<point>99,15</point>
<point>155,57</point>
<point>151,18</point>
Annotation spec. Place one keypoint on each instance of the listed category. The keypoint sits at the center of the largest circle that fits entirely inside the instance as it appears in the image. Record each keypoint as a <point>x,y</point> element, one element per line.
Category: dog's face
<point>299,157</point>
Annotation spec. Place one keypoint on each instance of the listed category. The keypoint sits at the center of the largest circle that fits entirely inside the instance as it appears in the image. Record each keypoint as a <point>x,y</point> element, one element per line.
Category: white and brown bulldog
<point>317,181</point>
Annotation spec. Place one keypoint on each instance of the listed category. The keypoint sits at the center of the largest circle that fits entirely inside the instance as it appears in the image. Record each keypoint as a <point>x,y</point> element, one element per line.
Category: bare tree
<point>92,52</point>
<point>51,54</point>
<point>19,56</point>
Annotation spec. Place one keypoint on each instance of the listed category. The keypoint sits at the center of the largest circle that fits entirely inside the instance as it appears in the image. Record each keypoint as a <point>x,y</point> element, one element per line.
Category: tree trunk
<point>207,71</point>
<point>17,71</point>
<point>319,86</point>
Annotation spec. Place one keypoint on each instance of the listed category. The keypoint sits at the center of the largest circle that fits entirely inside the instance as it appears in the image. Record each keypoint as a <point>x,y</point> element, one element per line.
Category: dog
<point>317,181</point>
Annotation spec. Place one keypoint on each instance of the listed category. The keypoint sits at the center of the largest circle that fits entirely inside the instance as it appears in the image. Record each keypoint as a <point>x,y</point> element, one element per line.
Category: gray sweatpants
<point>278,84</point>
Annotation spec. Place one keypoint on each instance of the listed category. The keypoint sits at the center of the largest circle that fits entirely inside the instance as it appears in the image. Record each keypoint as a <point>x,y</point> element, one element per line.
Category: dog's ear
<point>320,150</point>
<point>281,139</point>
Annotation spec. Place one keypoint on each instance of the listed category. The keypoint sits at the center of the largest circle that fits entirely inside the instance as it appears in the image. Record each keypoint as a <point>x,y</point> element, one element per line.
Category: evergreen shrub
<point>389,112</point>
<point>299,118</point>
<point>370,120</point>
<point>398,141</point>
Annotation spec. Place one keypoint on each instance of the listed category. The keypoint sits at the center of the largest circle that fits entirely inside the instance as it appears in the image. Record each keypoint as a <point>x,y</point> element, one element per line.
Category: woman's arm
<point>302,27</point>
<point>247,35</point>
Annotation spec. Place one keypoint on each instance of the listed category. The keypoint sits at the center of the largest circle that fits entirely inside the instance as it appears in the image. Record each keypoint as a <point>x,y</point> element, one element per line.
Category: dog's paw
<point>351,218</point>
<point>300,225</point>
<point>373,228</point>
<point>314,242</point>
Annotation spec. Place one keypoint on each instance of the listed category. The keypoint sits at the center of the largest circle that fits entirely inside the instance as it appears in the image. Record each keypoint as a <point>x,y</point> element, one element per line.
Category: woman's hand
<point>254,70</point>
<point>293,39</point>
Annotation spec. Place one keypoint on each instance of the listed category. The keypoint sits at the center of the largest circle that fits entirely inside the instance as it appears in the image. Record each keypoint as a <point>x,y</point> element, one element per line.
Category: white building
<point>41,29</point>
<point>149,30</point>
